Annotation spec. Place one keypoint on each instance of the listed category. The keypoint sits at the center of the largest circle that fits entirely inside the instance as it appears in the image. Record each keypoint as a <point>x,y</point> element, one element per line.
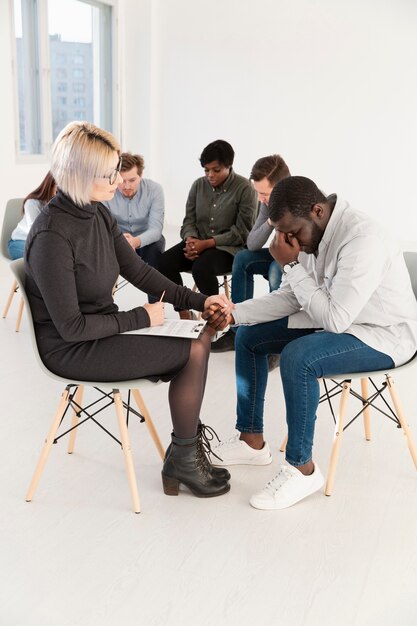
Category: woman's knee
<point>200,351</point>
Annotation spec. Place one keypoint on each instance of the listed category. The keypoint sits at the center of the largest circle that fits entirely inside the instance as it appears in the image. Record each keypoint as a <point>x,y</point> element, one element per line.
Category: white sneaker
<point>288,487</point>
<point>234,451</point>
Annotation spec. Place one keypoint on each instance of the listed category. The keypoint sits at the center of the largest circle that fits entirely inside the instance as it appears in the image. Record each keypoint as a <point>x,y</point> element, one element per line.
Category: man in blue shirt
<point>138,206</point>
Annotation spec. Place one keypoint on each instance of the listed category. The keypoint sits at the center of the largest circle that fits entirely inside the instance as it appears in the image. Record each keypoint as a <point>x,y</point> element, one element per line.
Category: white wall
<point>329,85</point>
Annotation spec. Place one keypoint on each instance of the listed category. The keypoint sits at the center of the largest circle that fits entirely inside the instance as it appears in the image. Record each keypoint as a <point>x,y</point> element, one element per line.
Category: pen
<point>161,298</point>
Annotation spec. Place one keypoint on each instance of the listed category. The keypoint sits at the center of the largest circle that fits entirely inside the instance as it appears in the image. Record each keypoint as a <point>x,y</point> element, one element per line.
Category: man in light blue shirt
<point>138,206</point>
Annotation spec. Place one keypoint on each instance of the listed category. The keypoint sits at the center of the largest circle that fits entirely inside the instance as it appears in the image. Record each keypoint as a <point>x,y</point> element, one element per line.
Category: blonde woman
<point>77,323</point>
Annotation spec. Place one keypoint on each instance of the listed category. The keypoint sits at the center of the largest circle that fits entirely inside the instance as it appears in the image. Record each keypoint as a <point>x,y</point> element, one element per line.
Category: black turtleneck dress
<point>73,258</point>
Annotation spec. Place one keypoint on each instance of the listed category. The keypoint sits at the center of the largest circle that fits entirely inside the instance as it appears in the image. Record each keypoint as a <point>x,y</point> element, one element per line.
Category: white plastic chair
<point>72,398</point>
<point>12,216</point>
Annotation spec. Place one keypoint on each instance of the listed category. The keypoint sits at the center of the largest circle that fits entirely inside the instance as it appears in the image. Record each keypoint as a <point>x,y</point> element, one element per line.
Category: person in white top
<point>31,208</point>
<point>345,305</point>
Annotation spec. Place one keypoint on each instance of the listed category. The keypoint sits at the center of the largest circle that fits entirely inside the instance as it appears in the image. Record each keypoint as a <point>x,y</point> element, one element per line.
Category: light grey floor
<point>78,556</point>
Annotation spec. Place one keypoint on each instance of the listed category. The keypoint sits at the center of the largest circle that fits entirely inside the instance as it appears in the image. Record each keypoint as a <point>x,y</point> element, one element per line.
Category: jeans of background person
<point>248,263</point>
<point>151,254</point>
<point>205,269</point>
<point>16,248</point>
<point>306,355</point>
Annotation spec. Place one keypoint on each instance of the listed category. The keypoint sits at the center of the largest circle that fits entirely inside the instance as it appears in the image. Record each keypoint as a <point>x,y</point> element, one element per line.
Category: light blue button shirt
<point>141,215</point>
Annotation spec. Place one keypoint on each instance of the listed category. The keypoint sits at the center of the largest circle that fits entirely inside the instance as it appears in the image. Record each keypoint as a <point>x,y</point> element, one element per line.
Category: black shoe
<point>273,361</point>
<point>205,435</point>
<point>187,464</point>
<point>225,343</point>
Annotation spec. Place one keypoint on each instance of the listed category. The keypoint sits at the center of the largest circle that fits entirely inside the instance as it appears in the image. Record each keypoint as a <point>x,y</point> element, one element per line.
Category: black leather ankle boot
<point>205,435</point>
<point>186,463</point>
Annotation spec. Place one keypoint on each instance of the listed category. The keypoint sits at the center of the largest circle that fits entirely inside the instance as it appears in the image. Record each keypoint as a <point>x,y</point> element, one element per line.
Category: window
<point>51,36</point>
<point>79,102</point>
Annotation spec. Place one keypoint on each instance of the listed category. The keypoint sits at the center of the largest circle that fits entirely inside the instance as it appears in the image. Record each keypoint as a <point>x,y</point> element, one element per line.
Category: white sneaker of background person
<point>288,487</point>
<point>234,451</point>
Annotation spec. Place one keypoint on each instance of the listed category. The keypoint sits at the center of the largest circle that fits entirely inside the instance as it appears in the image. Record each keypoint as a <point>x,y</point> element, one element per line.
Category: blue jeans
<point>246,264</point>
<point>16,248</point>
<point>306,355</point>
<point>151,254</point>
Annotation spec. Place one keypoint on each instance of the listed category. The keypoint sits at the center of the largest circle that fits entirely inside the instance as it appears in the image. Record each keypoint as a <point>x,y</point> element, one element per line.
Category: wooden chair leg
<point>19,314</point>
<point>334,457</point>
<point>149,423</point>
<point>9,299</point>
<point>78,398</point>
<point>401,419</point>
<point>127,452</point>
<point>226,287</point>
<point>48,443</point>
<point>367,410</point>
<point>284,444</point>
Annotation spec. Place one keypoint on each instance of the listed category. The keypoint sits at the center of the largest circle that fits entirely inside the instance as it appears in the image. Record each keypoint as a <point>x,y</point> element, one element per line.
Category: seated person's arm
<point>156,213</point>
<point>261,230</point>
<point>189,226</point>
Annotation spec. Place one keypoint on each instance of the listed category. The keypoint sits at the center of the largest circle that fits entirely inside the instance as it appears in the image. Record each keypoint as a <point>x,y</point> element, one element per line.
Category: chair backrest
<point>12,216</point>
<point>18,269</point>
<point>411,262</point>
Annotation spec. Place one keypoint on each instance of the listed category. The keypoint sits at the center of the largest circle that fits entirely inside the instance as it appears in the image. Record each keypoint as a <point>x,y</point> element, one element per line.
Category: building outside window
<point>50,37</point>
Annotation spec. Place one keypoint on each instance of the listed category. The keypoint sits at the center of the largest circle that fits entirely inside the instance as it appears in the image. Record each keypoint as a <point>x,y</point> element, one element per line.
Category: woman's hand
<point>215,311</point>
<point>190,251</point>
<point>156,313</point>
<point>194,247</point>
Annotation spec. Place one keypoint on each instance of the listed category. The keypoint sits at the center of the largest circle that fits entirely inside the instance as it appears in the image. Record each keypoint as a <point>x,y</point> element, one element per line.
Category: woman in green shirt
<point>220,212</point>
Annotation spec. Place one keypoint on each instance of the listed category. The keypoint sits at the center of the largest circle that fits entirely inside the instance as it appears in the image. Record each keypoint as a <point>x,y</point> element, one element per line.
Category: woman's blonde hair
<point>81,153</point>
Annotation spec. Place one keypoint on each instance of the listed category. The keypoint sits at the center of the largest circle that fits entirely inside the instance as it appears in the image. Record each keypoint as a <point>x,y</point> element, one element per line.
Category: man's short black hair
<point>220,151</point>
<point>296,195</point>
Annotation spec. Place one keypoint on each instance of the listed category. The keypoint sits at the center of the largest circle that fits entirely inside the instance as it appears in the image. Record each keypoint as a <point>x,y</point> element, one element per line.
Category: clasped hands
<point>218,312</point>
<point>135,242</point>
<point>194,247</point>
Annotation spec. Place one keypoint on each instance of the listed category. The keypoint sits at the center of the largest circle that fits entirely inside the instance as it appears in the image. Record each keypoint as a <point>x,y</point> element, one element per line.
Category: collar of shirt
<point>339,208</point>
<point>65,203</point>
<point>226,184</point>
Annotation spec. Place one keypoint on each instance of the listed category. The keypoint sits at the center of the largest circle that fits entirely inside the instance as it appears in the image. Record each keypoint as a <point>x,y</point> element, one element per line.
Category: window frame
<point>108,94</point>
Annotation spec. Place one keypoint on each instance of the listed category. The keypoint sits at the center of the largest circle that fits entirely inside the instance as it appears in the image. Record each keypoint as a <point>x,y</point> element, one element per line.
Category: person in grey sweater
<point>265,174</point>
<point>75,251</point>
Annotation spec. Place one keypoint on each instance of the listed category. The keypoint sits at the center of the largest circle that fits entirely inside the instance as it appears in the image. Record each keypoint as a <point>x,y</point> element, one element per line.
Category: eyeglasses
<point>113,175</point>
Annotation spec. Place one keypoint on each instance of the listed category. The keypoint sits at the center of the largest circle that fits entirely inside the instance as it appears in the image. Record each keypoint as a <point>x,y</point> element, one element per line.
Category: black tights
<point>186,390</point>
